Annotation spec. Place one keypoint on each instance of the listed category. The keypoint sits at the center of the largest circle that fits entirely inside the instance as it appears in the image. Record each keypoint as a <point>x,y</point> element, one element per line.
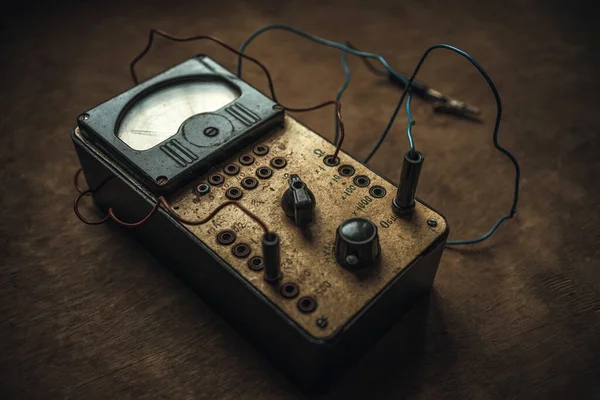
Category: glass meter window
<point>158,115</point>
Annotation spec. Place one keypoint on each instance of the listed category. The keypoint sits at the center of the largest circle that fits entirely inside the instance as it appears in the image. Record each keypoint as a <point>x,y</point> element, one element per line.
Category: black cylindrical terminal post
<point>271,256</point>
<point>404,202</point>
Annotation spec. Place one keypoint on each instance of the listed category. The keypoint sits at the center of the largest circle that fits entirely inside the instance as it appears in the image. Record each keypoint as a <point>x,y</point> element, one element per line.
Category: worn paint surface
<point>307,254</point>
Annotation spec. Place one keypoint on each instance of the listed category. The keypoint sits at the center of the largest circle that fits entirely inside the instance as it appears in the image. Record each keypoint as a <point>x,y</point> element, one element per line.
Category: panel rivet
<point>322,322</point>
<point>211,131</point>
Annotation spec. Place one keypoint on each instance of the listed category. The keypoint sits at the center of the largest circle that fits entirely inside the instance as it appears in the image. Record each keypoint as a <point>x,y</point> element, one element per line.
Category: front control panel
<point>340,241</point>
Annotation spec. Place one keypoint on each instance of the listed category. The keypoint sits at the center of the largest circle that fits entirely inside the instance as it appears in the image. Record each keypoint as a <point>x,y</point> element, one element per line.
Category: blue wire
<point>408,84</point>
<point>335,45</point>
<point>341,91</point>
<point>316,39</point>
<point>411,122</point>
<point>513,208</point>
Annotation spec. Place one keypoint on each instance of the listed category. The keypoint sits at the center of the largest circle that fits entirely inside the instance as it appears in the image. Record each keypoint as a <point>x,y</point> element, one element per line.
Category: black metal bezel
<point>178,158</point>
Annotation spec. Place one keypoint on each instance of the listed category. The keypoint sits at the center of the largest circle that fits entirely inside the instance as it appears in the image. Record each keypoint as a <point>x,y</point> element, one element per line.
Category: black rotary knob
<point>298,202</point>
<point>357,244</point>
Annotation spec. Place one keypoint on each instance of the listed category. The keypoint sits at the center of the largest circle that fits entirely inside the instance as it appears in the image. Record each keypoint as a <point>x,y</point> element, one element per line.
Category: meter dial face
<point>158,115</point>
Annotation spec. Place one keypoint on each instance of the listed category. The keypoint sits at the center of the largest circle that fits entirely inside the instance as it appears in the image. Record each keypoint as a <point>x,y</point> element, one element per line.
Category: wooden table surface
<point>86,312</point>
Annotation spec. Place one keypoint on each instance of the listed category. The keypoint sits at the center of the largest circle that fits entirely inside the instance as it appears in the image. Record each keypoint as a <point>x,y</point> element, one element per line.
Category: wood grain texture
<point>86,313</point>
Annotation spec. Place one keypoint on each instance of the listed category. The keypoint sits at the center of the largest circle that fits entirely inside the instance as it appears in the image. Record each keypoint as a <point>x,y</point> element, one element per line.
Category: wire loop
<point>348,48</point>
<point>80,216</point>
<point>345,49</point>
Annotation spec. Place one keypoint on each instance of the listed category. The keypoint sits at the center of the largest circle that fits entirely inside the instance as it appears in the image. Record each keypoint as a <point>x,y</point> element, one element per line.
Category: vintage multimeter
<point>311,258</point>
